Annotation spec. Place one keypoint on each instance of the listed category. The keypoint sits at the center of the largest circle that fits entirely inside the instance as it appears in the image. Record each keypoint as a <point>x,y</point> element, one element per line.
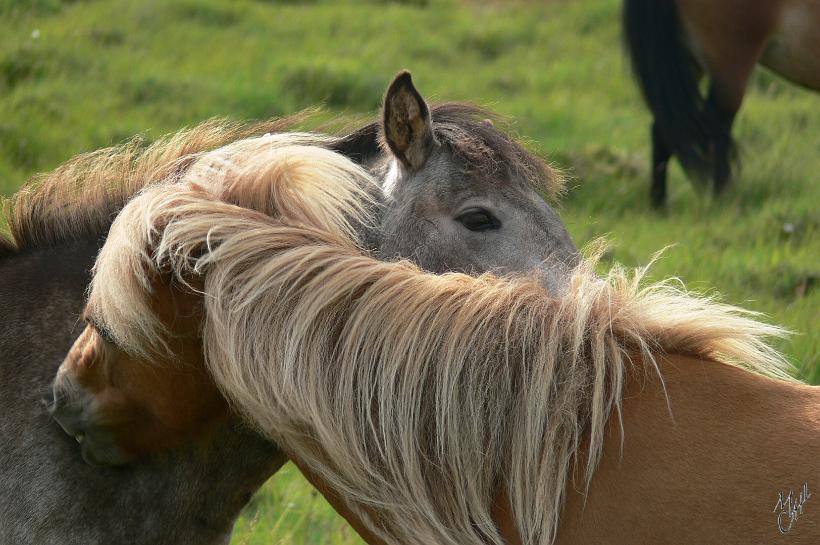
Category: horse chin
<point>99,450</point>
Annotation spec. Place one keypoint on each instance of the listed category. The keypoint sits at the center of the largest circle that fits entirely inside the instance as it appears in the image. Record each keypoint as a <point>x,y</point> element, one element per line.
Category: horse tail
<point>668,78</point>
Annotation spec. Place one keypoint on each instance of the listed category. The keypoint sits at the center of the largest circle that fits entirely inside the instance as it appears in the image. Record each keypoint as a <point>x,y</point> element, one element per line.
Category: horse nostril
<point>69,407</point>
<point>52,399</point>
<point>63,393</point>
<point>68,421</point>
<point>47,398</point>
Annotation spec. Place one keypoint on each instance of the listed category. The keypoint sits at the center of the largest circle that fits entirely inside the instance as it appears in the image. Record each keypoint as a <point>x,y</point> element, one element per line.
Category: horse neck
<point>188,496</point>
<point>42,292</point>
<point>721,450</point>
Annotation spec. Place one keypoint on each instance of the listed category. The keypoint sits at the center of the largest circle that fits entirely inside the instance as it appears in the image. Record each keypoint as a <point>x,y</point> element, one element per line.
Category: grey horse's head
<point>461,195</point>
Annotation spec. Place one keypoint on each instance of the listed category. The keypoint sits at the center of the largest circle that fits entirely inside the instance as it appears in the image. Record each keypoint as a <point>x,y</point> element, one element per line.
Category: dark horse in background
<point>674,43</point>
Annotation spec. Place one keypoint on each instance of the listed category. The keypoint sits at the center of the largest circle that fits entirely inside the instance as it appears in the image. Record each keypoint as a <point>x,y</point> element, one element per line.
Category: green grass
<point>75,76</point>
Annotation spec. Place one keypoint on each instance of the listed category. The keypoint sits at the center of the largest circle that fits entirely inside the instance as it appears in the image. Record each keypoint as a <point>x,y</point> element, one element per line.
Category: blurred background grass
<point>79,75</point>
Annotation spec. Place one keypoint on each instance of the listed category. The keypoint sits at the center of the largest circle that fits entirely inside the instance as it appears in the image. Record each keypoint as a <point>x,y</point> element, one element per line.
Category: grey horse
<point>458,194</point>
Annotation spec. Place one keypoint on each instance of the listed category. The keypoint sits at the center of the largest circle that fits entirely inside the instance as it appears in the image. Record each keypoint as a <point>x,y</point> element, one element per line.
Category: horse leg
<point>728,77</point>
<point>728,38</point>
<point>721,117</point>
<point>660,160</point>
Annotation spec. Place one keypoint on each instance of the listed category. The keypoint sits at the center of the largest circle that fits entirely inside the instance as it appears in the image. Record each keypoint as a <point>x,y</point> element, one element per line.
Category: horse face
<point>447,215</point>
<point>445,220</point>
<point>120,406</point>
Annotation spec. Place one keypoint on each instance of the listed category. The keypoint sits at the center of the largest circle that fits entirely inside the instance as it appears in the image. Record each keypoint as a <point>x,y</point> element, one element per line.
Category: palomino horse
<point>461,410</point>
<point>471,206</point>
<point>671,43</point>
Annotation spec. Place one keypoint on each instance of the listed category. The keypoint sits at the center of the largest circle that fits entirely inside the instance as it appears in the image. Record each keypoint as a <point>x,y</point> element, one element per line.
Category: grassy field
<point>75,76</point>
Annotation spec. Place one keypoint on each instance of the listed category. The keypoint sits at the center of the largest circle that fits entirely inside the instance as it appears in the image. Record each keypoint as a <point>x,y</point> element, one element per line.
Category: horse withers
<point>192,494</point>
<point>672,43</point>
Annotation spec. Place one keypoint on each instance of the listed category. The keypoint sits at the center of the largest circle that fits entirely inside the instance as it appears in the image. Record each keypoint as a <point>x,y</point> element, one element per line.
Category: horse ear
<point>406,122</point>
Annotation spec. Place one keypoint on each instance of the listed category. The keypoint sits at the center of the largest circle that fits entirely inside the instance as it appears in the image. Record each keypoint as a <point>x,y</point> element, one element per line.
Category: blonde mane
<point>414,396</point>
<point>284,176</point>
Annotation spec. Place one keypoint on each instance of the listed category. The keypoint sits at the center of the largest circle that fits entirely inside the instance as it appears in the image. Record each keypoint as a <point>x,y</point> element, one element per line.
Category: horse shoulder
<point>706,467</point>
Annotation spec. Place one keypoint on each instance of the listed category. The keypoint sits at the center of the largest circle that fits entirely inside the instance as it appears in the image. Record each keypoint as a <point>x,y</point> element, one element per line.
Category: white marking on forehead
<point>391,179</point>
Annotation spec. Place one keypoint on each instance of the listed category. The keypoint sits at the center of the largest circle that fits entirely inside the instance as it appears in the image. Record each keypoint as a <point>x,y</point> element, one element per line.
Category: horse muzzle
<point>76,410</point>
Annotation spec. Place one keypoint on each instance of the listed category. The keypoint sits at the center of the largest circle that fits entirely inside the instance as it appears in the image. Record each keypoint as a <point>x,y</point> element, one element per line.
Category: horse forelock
<point>483,141</point>
<point>414,396</point>
<point>485,145</point>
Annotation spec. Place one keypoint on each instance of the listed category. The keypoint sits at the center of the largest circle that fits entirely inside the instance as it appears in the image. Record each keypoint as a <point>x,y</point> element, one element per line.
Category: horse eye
<point>478,219</point>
